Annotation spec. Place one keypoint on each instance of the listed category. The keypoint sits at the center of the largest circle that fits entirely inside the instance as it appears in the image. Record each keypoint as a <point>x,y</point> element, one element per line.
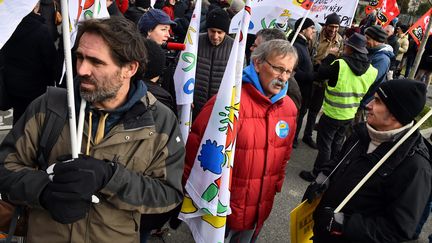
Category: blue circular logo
<point>282,129</point>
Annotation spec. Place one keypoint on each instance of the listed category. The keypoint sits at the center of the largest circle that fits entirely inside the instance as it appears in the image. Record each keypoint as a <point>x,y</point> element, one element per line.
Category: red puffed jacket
<point>264,143</point>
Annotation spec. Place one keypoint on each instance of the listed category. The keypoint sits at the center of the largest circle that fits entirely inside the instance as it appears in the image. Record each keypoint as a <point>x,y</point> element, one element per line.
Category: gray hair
<point>274,48</point>
<point>271,34</point>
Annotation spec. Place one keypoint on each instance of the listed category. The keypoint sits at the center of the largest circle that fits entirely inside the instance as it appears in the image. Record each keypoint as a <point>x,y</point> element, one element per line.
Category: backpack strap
<point>55,119</point>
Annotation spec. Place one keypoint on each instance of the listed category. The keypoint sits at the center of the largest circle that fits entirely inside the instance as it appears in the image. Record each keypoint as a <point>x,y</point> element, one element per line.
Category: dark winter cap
<point>405,98</point>
<point>155,59</point>
<point>142,3</point>
<point>403,27</point>
<point>377,33</point>
<point>308,23</point>
<point>218,18</point>
<point>151,18</point>
<point>333,19</point>
<point>357,42</point>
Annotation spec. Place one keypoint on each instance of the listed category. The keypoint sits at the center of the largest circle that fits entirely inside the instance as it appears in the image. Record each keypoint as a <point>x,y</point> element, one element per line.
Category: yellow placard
<point>301,222</point>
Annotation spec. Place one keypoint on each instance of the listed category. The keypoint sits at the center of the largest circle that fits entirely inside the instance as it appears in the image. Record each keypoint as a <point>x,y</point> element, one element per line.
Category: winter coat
<point>304,69</point>
<point>30,58</point>
<point>426,60</point>
<point>146,145</point>
<point>388,207</point>
<point>211,64</point>
<point>403,47</point>
<point>265,133</point>
<point>380,58</point>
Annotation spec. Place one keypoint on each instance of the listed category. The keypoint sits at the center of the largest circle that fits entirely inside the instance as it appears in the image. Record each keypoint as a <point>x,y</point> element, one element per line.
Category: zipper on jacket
<point>210,75</point>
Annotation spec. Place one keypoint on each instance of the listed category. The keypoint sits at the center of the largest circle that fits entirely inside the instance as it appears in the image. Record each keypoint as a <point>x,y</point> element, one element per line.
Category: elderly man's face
<point>309,32</point>
<point>274,72</point>
<point>216,36</point>
<point>378,115</point>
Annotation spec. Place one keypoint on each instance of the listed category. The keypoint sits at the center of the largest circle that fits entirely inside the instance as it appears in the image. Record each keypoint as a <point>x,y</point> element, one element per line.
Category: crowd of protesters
<point>134,158</point>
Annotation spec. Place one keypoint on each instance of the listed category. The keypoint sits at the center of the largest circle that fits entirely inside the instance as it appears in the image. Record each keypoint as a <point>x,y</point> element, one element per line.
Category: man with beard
<point>133,153</point>
<point>348,80</point>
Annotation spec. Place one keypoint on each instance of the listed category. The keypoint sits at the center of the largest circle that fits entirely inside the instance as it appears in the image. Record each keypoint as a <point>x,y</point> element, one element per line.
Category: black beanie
<point>377,33</point>
<point>333,19</point>
<point>155,59</point>
<point>308,23</point>
<point>218,18</point>
<point>405,98</point>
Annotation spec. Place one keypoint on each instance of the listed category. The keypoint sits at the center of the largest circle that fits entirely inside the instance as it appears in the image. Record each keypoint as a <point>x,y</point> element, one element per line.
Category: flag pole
<point>69,78</point>
<point>383,159</point>
<point>83,103</point>
<point>301,24</point>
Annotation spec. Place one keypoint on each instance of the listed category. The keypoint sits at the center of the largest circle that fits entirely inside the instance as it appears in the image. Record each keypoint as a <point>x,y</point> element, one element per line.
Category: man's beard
<point>105,92</point>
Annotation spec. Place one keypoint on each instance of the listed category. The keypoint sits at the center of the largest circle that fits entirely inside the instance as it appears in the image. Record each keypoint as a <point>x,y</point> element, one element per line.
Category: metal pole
<point>421,49</point>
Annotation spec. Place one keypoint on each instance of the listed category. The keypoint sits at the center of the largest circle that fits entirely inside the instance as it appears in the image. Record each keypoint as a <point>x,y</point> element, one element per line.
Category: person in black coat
<point>388,207</point>
<point>30,62</point>
<point>154,70</point>
<point>304,73</point>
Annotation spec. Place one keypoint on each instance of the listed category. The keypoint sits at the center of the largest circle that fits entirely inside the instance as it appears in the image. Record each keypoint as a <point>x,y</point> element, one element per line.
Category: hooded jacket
<point>265,132</point>
<point>388,207</point>
<point>144,141</point>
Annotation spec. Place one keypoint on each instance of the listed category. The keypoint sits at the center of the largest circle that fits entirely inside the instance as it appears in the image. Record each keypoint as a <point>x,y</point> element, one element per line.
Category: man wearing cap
<point>304,70</point>
<point>380,55</point>
<point>328,41</point>
<point>388,207</point>
<point>347,80</point>
<point>155,24</point>
<point>214,48</point>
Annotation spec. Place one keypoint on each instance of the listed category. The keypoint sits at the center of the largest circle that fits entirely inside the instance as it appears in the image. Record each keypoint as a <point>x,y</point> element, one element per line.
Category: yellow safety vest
<point>341,102</point>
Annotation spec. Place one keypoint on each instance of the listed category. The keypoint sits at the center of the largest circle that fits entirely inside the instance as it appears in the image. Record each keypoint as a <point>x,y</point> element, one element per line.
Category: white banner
<point>11,14</point>
<point>265,13</point>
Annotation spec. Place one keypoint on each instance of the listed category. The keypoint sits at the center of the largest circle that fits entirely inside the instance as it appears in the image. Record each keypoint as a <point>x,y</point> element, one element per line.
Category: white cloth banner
<point>184,75</point>
<point>80,10</point>
<point>266,13</point>
<point>11,14</point>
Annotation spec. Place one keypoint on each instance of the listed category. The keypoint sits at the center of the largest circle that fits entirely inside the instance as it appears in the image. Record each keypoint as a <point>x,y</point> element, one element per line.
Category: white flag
<point>11,14</point>
<point>184,75</point>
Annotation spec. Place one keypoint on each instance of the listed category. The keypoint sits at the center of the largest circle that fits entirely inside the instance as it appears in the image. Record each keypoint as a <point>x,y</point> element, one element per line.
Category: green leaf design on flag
<point>210,193</point>
<point>221,208</point>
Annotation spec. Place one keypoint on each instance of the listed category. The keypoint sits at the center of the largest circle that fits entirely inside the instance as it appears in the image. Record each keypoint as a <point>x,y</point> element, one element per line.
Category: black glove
<point>316,188</point>
<point>330,221</point>
<point>82,177</point>
<point>61,208</point>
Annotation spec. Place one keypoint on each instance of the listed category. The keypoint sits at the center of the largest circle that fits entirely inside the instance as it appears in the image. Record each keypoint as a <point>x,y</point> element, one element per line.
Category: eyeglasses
<point>279,70</point>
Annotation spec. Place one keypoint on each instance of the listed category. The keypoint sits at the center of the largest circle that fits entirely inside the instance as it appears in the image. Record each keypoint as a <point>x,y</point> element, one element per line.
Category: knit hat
<point>142,3</point>
<point>377,33</point>
<point>218,18</point>
<point>405,98</point>
<point>151,18</point>
<point>333,19</point>
<point>308,23</point>
<point>155,59</point>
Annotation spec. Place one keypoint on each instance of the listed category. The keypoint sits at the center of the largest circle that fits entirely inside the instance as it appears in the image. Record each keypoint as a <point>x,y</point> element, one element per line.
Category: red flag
<point>418,28</point>
<point>373,4</point>
<point>307,4</point>
<point>388,12</point>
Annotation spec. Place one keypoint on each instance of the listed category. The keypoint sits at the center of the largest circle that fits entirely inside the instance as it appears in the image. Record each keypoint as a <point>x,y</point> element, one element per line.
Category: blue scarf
<point>250,76</point>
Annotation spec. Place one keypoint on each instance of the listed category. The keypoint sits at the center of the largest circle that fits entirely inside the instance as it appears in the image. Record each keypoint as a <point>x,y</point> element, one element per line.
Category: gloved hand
<point>316,188</point>
<point>82,177</point>
<point>61,207</point>
<point>331,221</point>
